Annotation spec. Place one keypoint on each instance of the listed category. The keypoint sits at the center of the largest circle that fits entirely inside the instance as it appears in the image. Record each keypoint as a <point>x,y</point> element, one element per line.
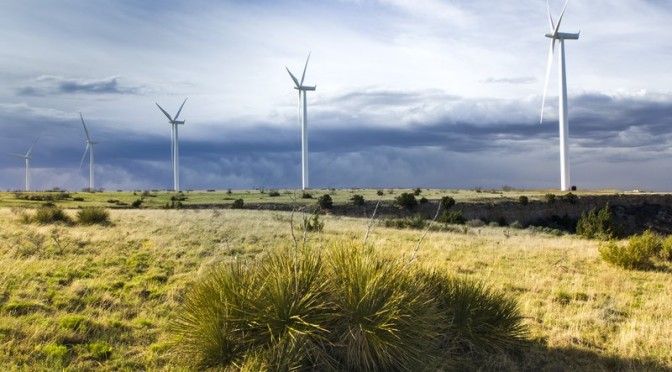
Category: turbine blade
<point>31,147</point>
<point>180,110</point>
<point>549,65</point>
<point>557,27</point>
<point>84,156</point>
<point>85,130</point>
<point>293,77</point>
<point>305,68</point>
<point>17,155</point>
<point>164,112</point>
<point>550,17</point>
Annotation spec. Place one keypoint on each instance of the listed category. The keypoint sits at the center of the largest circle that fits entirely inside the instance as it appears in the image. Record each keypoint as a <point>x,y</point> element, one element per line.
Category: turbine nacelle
<point>305,88</point>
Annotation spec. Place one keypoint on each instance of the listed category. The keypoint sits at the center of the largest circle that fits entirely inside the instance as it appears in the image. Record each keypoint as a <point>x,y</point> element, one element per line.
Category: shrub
<point>424,200</point>
<point>325,201</point>
<point>550,198</point>
<point>475,223</point>
<point>344,308</point>
<point>137,203</point>
<point>453,217</point>
<point>406,200</point>
<point>636,254</point>
<point>415,222</point>
<point>524,200</point>
<point>238,204</point>
<point>417,191</point>
<point>312,224</point>
<point>357,200</point>
<point>447,202</point>
<point>78,199</point>
<point>516,225</point>
<point>50,214</point>
<point>306,195</point>
<point>596,224</point>
<point>666,249</point>
<point>569,198</point>
<point>273,193</point>
<point>379,192</point>
<point>93,216</point>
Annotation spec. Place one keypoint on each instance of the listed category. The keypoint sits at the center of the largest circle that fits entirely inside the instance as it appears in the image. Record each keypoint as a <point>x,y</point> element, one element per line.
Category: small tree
<point>325,201</point>
<point>523,200</point>
<point>406,200</point>
<point>447,202</point>
<point>417,191</point>
<point>238,204</point>
<point>357,200</point>
<point>596,224</point>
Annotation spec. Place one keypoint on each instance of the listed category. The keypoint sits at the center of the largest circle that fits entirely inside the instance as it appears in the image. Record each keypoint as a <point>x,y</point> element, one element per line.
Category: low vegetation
<point>343,308</point>
<point>81,297</point>
<point>596,224</point>
<point>641,252</point>
<point>93,216</point>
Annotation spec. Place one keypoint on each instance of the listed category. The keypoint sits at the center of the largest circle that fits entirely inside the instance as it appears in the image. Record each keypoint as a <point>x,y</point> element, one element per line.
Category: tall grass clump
<point>93,216</point>
<point>342,307</point>
<point>48,214</point>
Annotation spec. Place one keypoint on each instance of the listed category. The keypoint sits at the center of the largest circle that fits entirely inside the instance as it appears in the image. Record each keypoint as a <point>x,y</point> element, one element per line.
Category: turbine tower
<point>303,119</point>
<point>563,119</point>
<point>175,146</point>
<point>89,149</point>
<point>27,158</point>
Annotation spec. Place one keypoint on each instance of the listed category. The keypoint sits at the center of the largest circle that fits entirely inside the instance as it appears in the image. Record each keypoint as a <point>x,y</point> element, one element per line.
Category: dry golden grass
<point>91,297</point>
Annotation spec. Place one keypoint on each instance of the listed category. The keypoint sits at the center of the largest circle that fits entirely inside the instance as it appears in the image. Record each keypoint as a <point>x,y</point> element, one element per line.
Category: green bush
<point>379,192</point>
<point>306,195</point>
<point>524,200</point>
<point>357,200</point>
<point>417,191</point>
<point>325,201</point>
<point>453,217</point>
<point>550,198</point>
<point>596,224</point>
<point>312,224</point>
<point>238,204</point>
<point>273,193</point>
<point>406,200</point>
<point>50,214</point>
<point>423,200</point>
<point>569,198</point>
<point>666,249</point>
<point>636,254</point>
<point>447,202</point>
<point>415,222</point>
<point>93,216</point>
<point>137,203</point>
<point>339,308</point>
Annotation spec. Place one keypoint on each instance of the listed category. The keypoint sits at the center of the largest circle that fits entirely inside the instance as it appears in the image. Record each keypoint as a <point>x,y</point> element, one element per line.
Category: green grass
<point>91,297</point>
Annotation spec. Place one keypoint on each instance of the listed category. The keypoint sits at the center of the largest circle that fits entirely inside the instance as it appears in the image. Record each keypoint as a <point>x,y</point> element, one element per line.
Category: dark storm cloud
<point>447,142</point>
<point>47,85</point>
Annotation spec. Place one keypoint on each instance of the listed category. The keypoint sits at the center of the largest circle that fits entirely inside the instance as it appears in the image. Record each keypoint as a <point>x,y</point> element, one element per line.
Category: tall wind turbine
<point>303,119</point>
<point>555,35</point>
<point>27,158</point>
<point>89,149</point>
<point>175,146</point>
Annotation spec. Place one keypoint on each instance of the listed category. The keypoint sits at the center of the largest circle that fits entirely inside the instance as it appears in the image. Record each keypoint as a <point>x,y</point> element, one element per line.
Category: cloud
<point>48,85</point>
<point>516,80</point>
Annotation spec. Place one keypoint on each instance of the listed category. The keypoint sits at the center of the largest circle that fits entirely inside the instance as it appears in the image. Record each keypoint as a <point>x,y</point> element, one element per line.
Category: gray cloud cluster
<point>54,85</point>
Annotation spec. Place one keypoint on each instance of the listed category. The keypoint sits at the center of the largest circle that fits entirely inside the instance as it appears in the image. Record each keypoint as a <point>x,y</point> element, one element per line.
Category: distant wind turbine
<point>175,146</point>
<point>89,149</point>
<point>563,119</point>
<point>303,119</point>
<point>27,158</point>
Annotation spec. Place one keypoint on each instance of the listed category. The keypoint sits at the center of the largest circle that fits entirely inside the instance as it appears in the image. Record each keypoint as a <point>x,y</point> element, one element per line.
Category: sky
<point>424,93</point>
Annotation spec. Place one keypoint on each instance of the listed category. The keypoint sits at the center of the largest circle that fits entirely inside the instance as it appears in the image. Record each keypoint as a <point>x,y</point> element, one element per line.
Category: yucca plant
<point>385,319</point>
<point>479,319</point>
<point>93,216</point>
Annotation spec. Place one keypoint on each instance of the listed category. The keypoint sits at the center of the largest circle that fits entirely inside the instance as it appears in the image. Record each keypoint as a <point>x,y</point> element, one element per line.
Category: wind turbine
<point>303,119</point>
<point>563,119</point>
<point>89,149</point>
<point>175,146</point>
<point>27,158</point>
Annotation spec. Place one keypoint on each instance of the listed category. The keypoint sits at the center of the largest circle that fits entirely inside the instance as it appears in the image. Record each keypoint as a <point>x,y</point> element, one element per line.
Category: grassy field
<point>102,297</point>
<point>159,199</point>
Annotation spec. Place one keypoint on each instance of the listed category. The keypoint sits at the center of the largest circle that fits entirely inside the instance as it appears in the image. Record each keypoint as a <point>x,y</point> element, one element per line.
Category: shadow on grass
<point>536,356</point>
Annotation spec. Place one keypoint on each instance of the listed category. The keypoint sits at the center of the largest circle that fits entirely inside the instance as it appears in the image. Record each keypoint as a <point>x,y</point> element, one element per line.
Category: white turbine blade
<point>84,156</point>
<point>17,155</point>
<point>293,78</point>
<point>557,27</point>
<point>164,112</point>
<point>31,147</point>
<point>305,68</point>
<point>549,65</point>
<point>550,17</point>
<point>180,110</point>
<point>85,130</point>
